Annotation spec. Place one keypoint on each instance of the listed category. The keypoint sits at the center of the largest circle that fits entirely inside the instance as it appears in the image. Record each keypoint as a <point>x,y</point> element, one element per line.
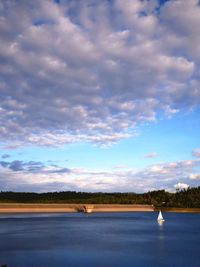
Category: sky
<point>99,96</point>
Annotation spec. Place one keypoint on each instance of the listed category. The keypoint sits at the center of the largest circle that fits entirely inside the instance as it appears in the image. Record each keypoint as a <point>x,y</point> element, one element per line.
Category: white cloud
<point>158,169</point>
<point>79,78</point>
<point>196,152</point>
<point>35,176</point>
<point>181,186</point>
<point>194,176</point>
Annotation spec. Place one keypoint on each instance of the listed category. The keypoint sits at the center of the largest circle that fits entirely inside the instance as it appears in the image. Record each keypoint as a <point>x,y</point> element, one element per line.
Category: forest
<point>189,198</point>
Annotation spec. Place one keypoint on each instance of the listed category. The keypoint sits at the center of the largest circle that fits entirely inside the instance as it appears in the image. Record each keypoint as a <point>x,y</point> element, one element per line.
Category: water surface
<point>99,239</point>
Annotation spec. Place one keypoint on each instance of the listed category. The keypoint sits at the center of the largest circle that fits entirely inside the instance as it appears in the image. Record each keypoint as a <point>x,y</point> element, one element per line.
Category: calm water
<point>101,239</point>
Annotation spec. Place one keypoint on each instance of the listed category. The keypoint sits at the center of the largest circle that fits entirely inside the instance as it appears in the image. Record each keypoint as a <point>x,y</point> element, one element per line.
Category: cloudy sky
<point>99,95</point>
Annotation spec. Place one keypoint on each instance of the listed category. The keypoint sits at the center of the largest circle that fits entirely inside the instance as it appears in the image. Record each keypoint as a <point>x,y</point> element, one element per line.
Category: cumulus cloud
<point>181,186</point>
<point>196,152</point>
<point>32,176</point>
<point>92,70</point>
<point>194,176</point>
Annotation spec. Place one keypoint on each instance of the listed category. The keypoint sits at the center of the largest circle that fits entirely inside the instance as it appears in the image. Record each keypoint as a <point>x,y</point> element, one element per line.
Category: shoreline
<point>87,208</point>
<point>180,210</point>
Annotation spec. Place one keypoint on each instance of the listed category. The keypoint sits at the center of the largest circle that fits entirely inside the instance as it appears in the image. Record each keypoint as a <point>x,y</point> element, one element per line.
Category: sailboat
<point>160,217</point>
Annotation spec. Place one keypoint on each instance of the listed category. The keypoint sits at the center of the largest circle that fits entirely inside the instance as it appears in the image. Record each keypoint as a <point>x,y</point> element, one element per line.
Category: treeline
<point>184,199</point>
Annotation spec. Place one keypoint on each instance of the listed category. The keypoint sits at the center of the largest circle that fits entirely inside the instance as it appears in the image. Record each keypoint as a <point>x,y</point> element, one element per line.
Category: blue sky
<point>99,95</point>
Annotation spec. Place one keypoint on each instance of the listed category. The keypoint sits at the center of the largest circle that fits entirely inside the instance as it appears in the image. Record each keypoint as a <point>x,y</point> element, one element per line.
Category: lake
<point>99,240</point>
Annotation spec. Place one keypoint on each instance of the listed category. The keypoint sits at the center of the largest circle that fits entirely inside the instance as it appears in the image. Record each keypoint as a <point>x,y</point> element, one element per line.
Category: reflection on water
<point>101,239</point>
<point>160,223</point>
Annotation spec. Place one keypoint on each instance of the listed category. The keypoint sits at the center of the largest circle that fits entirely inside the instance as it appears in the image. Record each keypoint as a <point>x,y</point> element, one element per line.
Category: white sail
<point>160,217</point>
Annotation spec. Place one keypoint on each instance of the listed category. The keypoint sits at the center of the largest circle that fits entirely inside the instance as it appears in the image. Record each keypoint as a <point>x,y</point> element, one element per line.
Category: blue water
<point>99,240</point>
